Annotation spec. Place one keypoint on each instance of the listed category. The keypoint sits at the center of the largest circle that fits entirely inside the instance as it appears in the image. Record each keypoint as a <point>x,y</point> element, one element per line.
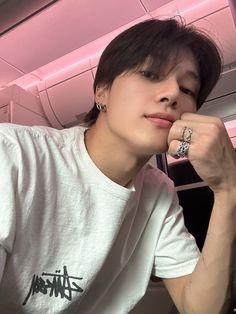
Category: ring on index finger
<point>182,150</point>
<point>187,134</point>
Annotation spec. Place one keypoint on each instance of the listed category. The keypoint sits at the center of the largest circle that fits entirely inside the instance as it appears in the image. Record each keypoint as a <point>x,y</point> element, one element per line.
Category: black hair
<point>160,42</point>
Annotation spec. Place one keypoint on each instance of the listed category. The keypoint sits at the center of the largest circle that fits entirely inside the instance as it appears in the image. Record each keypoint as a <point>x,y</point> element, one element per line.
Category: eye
<point>149,75</point>
<point>187,91</point>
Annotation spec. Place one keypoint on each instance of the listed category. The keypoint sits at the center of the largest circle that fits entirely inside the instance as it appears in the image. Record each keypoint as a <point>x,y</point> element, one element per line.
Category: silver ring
<point>182,150</point>
<point>187,133</point>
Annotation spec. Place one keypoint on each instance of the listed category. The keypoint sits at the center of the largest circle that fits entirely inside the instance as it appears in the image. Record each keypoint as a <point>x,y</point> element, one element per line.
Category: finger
<point>187,116</point>
<point>175,148</point>
<point>176,131</point>
<point>201,127</point>
<point>178,128</point>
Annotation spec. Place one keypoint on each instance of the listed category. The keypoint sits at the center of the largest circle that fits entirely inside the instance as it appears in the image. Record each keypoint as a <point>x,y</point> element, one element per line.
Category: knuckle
<point>173,146</point>
<point>215,128</point>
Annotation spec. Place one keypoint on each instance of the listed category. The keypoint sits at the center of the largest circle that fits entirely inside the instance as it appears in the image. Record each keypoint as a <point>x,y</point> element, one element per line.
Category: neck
<point>112,156</point>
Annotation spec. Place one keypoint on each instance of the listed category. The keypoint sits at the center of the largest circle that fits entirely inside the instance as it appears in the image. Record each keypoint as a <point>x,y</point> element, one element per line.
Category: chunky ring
<point>187,133</point>
<point>182,150</point>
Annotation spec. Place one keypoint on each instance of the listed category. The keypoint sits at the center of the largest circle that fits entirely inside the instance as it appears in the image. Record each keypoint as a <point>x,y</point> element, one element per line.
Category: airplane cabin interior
<point>49,51</point>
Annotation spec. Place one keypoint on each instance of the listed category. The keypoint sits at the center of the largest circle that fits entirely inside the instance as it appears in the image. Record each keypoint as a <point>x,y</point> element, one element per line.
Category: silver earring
<point>101,107</point>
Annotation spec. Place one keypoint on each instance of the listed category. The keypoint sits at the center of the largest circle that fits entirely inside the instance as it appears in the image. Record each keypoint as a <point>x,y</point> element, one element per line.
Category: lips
<point>161,119</point>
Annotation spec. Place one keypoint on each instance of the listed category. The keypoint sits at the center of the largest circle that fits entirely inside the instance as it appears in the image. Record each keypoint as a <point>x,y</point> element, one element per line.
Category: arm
<point>209,289</point>
<point>211,286</point>
<point>8,181</point>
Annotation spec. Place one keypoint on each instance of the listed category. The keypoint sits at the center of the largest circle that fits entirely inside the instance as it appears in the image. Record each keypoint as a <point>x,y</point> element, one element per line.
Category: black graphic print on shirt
<point>54,285</point>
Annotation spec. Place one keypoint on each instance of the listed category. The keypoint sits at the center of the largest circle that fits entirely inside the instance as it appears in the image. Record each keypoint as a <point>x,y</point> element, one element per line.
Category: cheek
<point>118,116</point>
<point>188,106</point>
<point>194,108</point>
<point>121,117</point>
<point>126,104</point>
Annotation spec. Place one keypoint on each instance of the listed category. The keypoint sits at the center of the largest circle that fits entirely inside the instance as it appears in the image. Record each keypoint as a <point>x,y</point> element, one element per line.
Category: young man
<point>86,221</point>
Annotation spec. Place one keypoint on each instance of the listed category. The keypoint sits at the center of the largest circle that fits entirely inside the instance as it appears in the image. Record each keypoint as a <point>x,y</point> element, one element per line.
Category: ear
<point>101,94</point>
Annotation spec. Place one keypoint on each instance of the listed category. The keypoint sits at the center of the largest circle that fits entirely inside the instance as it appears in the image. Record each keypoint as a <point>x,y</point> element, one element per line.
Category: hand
<point>210,151</point>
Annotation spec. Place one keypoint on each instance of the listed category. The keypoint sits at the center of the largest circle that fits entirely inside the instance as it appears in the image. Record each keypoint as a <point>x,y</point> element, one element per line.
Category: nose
<point>168,92</point>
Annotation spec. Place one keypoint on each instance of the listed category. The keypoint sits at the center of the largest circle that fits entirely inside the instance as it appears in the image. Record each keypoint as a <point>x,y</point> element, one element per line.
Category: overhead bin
<point>64,103</point>
<point>65,86</point>
<point>21,107</point>
<point>222,100</point>
<point>68,94</point>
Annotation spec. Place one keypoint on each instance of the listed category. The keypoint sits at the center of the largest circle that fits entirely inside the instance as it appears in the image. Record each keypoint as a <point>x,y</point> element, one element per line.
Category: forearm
<point>210,289</point>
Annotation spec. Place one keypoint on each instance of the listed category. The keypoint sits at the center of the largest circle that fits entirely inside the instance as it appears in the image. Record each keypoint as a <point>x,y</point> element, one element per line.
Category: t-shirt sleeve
<point>176,252</point>
<point>8,182</point>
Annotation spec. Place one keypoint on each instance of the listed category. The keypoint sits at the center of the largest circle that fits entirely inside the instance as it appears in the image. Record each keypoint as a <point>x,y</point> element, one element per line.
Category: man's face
<point>141,108</point>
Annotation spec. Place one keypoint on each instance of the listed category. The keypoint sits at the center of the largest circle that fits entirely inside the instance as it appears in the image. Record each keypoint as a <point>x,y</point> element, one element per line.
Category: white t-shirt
<point>72,240</point>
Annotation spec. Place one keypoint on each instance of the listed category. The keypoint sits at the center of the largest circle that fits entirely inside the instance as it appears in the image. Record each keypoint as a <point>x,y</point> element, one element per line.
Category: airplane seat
<point>156,301</point>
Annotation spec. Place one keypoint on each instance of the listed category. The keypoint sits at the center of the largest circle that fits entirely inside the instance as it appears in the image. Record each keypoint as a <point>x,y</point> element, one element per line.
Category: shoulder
<point>9,133</point>
<point>154,177</point>
<point>14,134</point>
<point>155,186</point>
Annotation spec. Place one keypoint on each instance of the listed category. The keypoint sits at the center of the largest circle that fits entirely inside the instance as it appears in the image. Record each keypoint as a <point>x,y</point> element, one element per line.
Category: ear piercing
<point>101,107</point>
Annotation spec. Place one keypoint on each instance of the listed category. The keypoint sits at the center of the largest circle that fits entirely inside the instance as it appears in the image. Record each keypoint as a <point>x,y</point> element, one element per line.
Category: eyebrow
<point>193,75</point>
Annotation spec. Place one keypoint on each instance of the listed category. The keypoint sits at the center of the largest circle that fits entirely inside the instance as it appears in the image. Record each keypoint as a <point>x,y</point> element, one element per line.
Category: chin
<point>156,150</point>
<point>151,147</point>
<point>159,149</point>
